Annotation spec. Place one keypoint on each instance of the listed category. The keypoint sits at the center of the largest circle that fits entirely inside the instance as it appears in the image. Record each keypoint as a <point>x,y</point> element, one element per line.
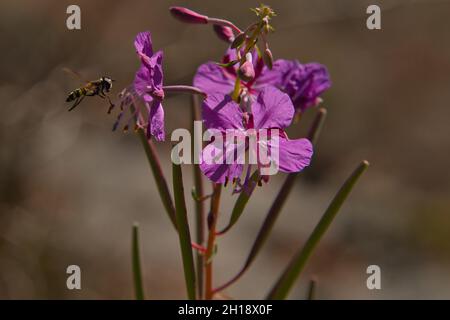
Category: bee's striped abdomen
<point>76,94</point>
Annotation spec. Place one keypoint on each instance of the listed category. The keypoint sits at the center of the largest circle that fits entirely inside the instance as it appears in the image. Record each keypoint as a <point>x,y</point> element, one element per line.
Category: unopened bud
<point>246,71</point>
<point>268,58</point>
<point>224,33</point>
<point>238,40</point>
<point>188,16</point>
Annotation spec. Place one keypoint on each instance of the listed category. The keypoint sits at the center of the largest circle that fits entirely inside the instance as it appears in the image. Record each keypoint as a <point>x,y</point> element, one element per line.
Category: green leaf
<point>287,279</point>
<point>160,180</point>
<point>312,289</point>
<point>241,202</point>
<point>136,263</point>
<point>316,127</point>
<point>183,231</point>
<point>228,64</point>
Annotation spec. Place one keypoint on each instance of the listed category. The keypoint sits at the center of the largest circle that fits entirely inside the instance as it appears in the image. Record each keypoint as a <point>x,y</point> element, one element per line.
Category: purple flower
<point>146,91</point>
<point>271,112</point>
<point>304,83</point>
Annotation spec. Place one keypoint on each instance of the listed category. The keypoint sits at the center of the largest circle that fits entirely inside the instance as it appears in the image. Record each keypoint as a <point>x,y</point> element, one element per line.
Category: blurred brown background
<point>70,188</point>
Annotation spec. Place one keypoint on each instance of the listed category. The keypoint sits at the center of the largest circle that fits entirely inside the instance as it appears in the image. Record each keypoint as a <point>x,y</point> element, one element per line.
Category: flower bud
<point>224,33</point>
<point>246,71</point>
<point>188,16</point>
<point>238,40</point>
<point>268,58</point>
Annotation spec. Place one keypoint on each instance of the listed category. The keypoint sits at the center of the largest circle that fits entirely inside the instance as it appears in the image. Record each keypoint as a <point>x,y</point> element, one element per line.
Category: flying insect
<point>100,87</point>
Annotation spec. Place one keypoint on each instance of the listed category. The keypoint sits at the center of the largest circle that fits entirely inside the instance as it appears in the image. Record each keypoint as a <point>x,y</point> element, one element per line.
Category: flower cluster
<point>304,83</point>
<point>246,93</point>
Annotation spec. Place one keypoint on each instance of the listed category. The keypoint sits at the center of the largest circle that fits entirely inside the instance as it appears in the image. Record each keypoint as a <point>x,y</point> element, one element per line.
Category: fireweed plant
<point>251,98</point>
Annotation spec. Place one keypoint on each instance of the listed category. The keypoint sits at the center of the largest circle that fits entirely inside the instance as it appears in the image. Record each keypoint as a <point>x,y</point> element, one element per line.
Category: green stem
<point>291,273</point>
<point>183,231</point>
<point>237,89</point>
<point>158,174</point>
<point>136,264</point>
<point>212,222</point>
<point>199,205</point>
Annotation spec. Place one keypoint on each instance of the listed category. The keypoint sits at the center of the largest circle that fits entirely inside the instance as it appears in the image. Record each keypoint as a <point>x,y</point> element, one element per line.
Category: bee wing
<point>74,74</point>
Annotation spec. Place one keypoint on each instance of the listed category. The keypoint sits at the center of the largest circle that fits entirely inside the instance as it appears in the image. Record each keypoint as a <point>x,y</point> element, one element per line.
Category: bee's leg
<point>111,105</point>
<point>103,91</point>
<point>103,95</point>
<point>77,102</point>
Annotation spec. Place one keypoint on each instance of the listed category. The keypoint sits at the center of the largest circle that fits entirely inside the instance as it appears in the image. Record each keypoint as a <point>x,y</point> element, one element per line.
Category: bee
<point>99,87</point>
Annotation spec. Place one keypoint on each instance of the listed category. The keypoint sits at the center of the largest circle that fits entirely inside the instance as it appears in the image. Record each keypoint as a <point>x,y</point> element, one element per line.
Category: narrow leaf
<point>290,274</point>
<point>241,202</point>
<point>312,289</point>
<point>183,231</point>
<point>160,180</point>
<point>228,64</point>
<point>136,264</point>
<point>316,127</point>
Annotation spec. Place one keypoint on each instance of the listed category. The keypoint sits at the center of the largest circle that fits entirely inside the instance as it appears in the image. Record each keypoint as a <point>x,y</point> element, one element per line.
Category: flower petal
<point>305,83</point>
<point>143,43</point>
<point>214,164</point>
<point>143,80</point>
<point>211,78</point>
<point>294,155</point>
<point>149,75</point>
<point>221,112</point>
<point>275,77</point>
<point>157,71</point>
<point>272,109</point>
<point>156,121</point>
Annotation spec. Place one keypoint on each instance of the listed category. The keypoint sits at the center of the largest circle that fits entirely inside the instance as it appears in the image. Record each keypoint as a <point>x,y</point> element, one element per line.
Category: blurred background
<point>70,188</point>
